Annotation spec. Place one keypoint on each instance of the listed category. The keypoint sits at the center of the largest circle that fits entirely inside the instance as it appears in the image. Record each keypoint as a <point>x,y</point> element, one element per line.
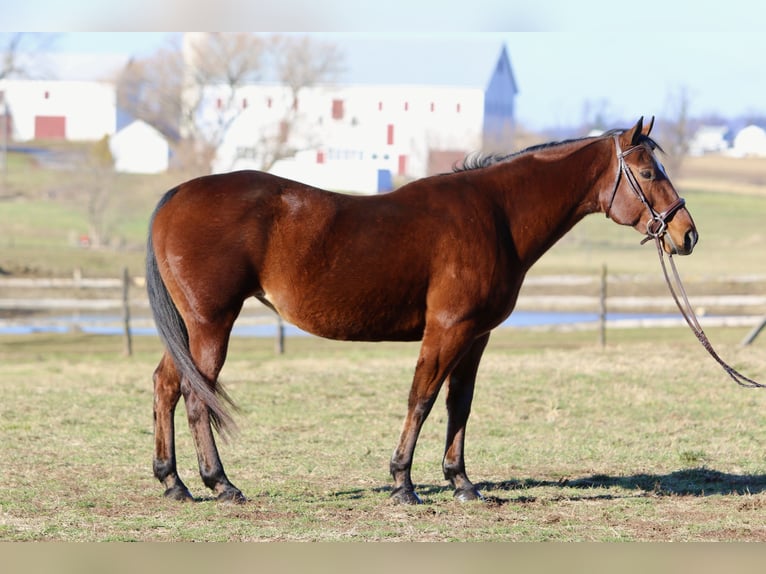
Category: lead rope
<point>691,319</point>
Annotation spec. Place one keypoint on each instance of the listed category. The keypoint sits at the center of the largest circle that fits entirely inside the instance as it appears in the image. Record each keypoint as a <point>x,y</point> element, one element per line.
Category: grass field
<point>644,440</point>
<point>42,215</point>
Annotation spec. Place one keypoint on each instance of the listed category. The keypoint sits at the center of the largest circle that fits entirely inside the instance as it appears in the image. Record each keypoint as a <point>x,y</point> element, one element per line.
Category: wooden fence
<point>31,303</point>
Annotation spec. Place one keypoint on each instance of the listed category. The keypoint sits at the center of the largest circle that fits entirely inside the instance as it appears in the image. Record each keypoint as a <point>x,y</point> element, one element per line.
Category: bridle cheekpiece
<point>658,222</point>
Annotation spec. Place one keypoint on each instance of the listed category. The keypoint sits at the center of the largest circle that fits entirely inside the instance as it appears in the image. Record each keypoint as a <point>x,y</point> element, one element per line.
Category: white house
<point>360,129</point>
<point>709,139</point>
<point>139,148</point>
<point>749,141</point>
<point>60,110</point>
<point>358,137</point>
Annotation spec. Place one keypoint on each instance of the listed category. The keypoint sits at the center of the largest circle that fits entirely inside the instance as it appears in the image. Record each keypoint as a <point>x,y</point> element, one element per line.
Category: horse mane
<point>480,160</point>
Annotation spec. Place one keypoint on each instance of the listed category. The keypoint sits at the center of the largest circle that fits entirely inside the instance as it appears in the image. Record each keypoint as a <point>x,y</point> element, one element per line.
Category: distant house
<point>60,110</point>
<point>709,139</point>
<point>361,137</point>
<point>749,141</point>
<point>139,148</point>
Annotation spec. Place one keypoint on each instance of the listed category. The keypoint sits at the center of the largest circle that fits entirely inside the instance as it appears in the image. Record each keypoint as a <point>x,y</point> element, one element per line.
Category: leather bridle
<point>656,228</point>
<point>657,224</point>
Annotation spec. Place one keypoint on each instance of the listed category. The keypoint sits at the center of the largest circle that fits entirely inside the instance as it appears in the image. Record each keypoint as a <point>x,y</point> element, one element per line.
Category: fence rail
<point>25,301</point>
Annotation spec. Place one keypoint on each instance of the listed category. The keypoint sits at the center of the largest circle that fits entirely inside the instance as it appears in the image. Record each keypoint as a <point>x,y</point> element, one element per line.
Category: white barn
<point>352,129</point>
<point>750,141</point>
<point>60,110</point>
<point>139,148</point>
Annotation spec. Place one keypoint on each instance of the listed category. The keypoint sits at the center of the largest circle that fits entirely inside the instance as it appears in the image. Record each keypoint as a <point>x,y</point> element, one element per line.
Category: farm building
<point>750,141</point>
<point>363,129</point>
<point>360,137</point>
<point>59,110</point>
<point>355,137</point>
<point>709,139</point>
<point>139,148</point>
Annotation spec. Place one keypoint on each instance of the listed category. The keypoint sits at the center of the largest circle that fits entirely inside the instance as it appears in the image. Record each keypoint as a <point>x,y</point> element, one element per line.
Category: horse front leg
<point>440,350</point>
<point>459,398</point>
<point>167,391</point>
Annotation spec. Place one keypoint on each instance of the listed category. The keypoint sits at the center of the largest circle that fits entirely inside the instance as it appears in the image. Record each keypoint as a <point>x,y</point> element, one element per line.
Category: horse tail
<point>174,335</point>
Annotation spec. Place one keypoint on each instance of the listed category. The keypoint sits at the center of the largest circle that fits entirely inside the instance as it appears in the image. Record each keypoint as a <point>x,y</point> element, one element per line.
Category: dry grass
<point>641,441</point>
<point>723,174</point>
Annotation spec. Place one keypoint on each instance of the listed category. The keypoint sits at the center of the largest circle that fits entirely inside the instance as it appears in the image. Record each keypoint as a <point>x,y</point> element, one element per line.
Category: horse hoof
<point>405,496</point>
<point>179,493</point>
<point>232,495</point>
<point>468,495</point>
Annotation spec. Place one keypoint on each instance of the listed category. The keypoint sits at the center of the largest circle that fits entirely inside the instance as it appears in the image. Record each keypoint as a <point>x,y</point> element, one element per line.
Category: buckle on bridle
<point>658,224</point>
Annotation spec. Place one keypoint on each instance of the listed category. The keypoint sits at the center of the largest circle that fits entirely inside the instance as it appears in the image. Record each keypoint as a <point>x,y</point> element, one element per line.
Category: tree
<point>675,130</point>
<point>96,181</point>
<point>171,89</point>
<point>20,52</point>
<point>595,115</point>
<point>300,62</point>
<point>150,90</point>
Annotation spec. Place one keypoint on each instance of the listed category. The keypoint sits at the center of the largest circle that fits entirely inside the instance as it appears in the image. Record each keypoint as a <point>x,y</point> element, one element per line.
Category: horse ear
<point>648,129</point>
<point>631,137</point>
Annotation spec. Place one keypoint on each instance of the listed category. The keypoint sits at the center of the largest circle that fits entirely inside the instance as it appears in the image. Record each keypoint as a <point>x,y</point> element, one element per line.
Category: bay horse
<point>440,260</point>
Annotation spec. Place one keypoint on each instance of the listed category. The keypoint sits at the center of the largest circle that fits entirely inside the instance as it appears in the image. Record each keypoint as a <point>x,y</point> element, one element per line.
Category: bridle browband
<point>656,228</point>
<point>658,222</point>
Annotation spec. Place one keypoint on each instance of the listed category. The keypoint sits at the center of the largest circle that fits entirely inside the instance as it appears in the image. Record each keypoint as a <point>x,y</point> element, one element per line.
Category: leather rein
<point>656,228</point>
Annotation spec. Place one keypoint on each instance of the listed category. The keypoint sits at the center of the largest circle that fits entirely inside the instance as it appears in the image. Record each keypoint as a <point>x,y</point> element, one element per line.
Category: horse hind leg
<point>208,345</point>
<point>459,397</point>
<point>167,391</point>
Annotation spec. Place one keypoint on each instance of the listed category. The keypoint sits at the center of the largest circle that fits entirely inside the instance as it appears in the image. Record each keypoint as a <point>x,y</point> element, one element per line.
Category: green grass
<point>644,440</point>
<point>43,214</point>
<point>731,230</point>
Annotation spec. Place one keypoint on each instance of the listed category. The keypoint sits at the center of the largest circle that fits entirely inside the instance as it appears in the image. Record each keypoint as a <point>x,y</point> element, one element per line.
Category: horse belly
<point>351,318</point>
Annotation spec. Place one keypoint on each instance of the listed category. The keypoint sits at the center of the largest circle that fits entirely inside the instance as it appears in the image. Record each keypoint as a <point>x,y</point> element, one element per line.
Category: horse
<point>439,260</point>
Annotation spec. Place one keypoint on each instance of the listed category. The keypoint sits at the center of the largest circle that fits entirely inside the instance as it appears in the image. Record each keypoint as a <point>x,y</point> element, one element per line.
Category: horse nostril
<point>690,240</point>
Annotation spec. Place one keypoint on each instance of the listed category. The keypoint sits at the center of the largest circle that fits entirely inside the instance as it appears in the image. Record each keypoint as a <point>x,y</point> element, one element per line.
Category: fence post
<point>750,337</point>
<point>126,312</point>
<point>279,343</point>
<point>602,308</point>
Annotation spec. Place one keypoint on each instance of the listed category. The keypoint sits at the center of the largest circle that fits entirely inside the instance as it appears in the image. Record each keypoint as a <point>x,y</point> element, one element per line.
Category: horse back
<point>340,266</point>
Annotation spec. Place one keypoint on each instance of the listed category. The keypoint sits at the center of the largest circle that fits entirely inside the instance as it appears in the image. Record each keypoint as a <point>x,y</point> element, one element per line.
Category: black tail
<point>172,331</point>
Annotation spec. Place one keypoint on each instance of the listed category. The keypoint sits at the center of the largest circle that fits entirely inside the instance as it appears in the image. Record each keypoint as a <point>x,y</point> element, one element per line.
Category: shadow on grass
<point>685,482</point>
<point>699,481</point>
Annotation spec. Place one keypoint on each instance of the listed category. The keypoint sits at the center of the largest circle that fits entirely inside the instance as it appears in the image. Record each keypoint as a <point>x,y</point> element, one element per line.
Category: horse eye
<point>646,173</point>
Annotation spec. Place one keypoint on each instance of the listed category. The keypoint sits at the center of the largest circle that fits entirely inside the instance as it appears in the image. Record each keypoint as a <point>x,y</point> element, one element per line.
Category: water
<point>112,325</point>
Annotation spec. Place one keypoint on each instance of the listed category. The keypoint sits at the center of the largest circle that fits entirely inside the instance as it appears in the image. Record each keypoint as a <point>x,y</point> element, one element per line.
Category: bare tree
<point>675,130</point>
<point>95,183</point>
<point>300,62</point>
<point>595,115</point>
<point>167,91</point>
<point>172,89</point>
<point>20,52</point>
<point>150,90</point>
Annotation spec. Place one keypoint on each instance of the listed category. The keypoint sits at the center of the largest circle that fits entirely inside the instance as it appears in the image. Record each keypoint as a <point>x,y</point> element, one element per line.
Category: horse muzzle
<point>684,247</point>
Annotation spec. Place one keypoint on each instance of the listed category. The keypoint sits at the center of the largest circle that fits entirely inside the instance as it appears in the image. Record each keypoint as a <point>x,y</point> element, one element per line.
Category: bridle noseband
<point>657,224</point>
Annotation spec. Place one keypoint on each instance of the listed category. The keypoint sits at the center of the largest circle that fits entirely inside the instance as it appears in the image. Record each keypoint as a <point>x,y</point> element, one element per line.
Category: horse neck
<point>546,192</point>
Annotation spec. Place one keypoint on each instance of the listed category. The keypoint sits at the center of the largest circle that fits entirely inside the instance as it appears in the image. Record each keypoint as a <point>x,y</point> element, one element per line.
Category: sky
<point>570,59</point>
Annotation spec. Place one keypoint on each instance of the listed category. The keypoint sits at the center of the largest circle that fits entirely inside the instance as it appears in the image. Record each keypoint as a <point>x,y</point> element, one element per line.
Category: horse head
<point>643,196</point>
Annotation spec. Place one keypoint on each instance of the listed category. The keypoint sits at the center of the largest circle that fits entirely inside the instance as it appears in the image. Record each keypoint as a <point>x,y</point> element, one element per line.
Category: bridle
<point>658,222</point>
<point>656,228</point>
